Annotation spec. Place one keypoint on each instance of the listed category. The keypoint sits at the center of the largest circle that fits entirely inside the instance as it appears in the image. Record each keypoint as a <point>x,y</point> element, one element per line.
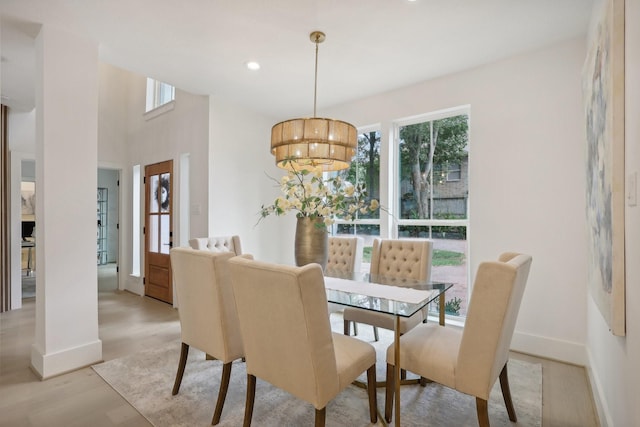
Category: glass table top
<point>383,294</point>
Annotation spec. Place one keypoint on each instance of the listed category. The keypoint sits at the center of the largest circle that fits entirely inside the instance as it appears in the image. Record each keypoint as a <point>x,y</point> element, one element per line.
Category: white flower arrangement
<point>310,195</point>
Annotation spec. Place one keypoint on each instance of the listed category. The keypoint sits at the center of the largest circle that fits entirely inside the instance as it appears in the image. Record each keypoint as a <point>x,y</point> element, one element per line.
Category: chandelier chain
<point>315,86</point>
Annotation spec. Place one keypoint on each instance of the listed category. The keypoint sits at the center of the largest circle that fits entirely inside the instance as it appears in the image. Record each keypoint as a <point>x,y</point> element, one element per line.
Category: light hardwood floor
<point>129,323</point>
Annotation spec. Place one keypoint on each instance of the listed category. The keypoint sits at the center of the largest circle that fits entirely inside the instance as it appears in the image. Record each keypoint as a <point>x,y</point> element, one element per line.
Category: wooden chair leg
<point>222,393</point>
<point>375,333</point>
<point>388,400</point>
<point>251,394</point>
<point>424,381</point>
<point>506,394</point>
<point>321,415</point>
<point>347,329</point>
<point>371,389</point>
<point>482,408</point>
<point>184,352</point>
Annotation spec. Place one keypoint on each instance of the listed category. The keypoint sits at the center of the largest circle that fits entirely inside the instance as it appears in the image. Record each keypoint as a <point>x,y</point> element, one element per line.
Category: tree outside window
<point>432,197</point>
<point>425,148</point>
<point>365,169</point>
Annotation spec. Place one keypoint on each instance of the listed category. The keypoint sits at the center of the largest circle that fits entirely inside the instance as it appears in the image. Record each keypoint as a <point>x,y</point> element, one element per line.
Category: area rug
<point>145,380</point>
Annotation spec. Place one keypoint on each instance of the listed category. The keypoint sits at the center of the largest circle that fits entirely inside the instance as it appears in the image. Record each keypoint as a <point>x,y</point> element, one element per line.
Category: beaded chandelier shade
<point>317,143</point>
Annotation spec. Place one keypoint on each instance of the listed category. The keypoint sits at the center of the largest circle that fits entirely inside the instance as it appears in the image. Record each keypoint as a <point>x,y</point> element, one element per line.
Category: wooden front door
<point>158,230</point>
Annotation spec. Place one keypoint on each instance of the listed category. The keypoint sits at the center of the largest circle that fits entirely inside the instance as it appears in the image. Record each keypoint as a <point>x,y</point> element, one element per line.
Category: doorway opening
<point>28,223</point>
<point>108,228</point>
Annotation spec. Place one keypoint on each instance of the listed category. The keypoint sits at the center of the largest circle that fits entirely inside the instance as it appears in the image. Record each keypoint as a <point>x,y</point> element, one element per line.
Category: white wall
<point>184,129</point>
<point>615,371</point>
<point>21,131</point>
<point>225,198</point>
<point>241,163</point>
<point>527,179</point>
<point>66,323</point>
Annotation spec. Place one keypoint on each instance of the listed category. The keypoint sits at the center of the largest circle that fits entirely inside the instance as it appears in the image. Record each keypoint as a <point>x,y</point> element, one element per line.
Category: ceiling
<point>201,46</point>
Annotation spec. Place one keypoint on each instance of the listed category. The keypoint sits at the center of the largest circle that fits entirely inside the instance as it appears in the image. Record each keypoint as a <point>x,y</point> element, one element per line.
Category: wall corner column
<point>66,326</point>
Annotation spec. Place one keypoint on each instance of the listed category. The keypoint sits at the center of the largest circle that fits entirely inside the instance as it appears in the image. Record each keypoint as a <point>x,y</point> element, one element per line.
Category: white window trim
<point>153,108</point>
<point>160,110</point>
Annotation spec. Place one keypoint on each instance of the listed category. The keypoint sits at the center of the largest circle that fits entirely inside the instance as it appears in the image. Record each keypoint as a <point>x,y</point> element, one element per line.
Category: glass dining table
<point>385,294</point>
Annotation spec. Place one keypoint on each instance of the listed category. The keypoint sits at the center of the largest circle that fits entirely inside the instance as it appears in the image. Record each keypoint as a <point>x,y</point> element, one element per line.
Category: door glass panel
<point>164,234</point>
<point>153,233</point>
<point>154,194</point>
<point>163,192</point>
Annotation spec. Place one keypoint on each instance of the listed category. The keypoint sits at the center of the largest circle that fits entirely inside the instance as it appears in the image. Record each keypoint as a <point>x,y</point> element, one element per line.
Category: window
<point>365,168</point>
<point>431,193</point>
<point>453,172</point>
<point>158,94</point>
<point>135,223</point>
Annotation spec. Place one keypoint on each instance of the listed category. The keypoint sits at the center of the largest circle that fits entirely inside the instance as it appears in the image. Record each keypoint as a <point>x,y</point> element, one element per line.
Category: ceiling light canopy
<point>314,143</point>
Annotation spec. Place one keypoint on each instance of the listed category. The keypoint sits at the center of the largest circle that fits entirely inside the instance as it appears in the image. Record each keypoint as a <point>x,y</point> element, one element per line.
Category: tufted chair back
<point>345,254</point>
<point>402,258</point>
<point>217,244</point>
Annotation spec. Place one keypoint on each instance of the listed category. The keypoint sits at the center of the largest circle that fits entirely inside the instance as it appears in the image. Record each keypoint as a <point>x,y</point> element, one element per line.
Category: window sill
<point>159,110</point>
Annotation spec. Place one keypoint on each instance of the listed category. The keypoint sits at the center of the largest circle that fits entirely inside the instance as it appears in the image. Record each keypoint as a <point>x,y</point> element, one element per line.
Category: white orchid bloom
<point>349,190</point>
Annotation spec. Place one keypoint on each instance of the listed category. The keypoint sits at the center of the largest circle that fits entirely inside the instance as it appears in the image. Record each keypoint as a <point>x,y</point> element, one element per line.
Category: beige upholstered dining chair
<point>394,259</point>
<point>208,317</point>
<point>345,254</point>
<point>344,258</point>
<point>470,360</point>
<point>288,339</point>
<point>217,244</point>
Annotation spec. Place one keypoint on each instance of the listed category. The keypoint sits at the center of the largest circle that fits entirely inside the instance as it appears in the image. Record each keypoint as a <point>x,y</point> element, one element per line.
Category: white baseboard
<point>549,348</point>
<point>134,285</point>
<point>53,364</point>
<point>602,407</point>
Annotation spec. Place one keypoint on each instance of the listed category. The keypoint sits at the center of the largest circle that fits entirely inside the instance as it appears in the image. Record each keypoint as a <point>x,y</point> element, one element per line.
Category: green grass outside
<point>440,257</point>
<point>366,255</point>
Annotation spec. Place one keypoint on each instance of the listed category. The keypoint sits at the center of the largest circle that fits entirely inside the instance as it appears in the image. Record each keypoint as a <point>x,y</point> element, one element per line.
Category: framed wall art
<point>603,88</point>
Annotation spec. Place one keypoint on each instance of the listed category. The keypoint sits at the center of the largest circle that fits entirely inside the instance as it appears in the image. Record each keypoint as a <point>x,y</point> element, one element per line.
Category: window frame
<point>395,170</point>
<point>363,221</point>
<point>156,103</point>
<point>395,189</point>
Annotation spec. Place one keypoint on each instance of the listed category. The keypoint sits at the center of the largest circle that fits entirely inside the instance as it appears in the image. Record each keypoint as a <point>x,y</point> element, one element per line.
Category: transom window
<point>158,94</point>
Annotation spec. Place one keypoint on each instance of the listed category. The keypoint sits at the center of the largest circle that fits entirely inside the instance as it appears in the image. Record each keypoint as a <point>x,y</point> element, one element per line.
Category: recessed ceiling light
<point>252,65</point>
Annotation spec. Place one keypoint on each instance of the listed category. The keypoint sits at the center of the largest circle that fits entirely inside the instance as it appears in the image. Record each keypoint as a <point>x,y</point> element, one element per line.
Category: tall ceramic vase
<point>311,241</point>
